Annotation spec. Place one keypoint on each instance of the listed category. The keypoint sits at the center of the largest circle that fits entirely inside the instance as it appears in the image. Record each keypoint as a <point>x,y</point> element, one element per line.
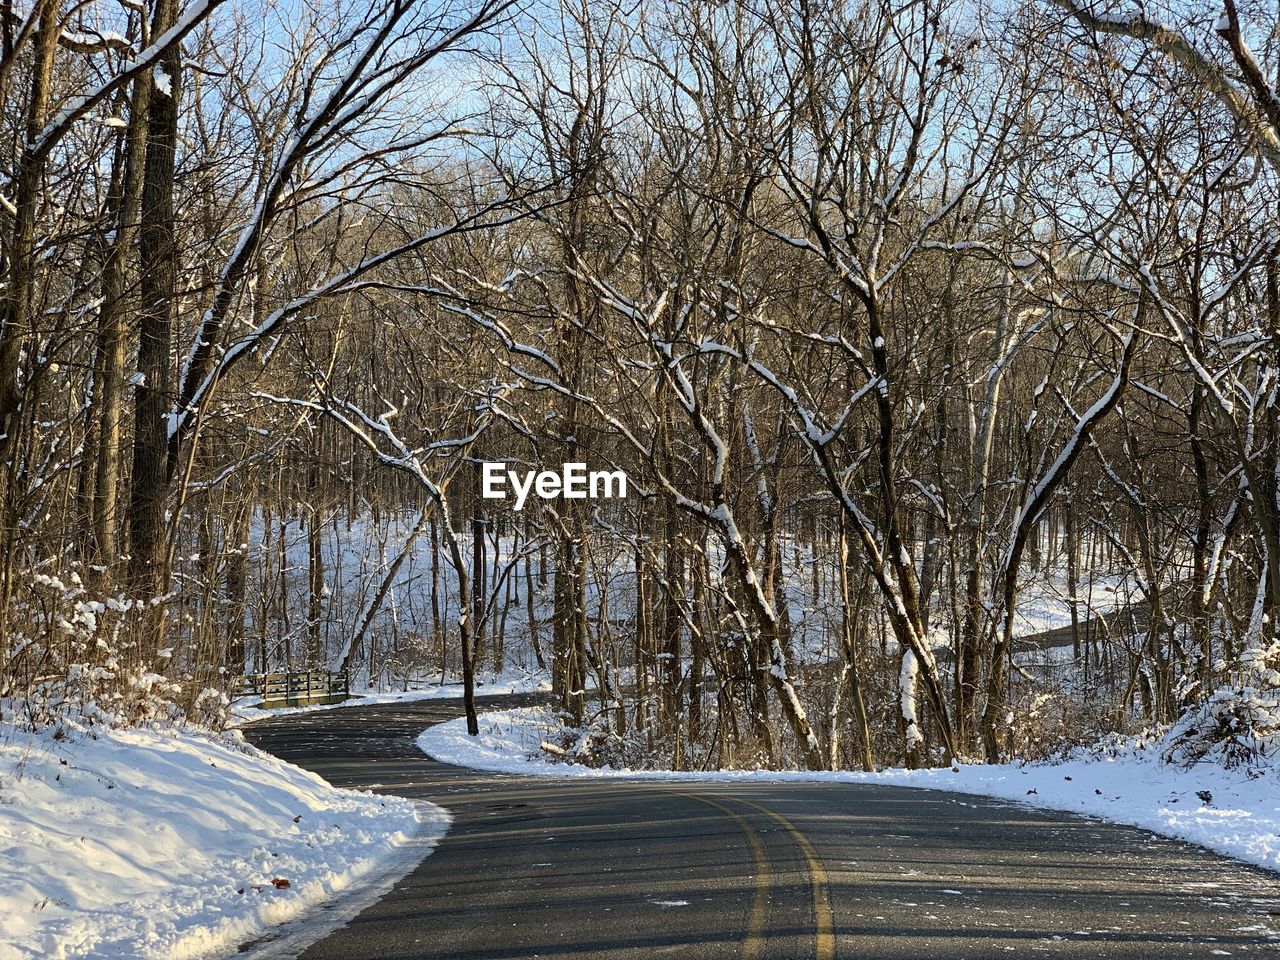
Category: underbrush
<point>1235,727</point>
<point>74,659</point>
<point>1238,725</point>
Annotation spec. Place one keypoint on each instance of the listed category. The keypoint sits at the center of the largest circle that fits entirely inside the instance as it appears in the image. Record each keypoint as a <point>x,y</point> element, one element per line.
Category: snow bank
<point>247,710</point>
<point>1235,812</point>
<point>142,843</point>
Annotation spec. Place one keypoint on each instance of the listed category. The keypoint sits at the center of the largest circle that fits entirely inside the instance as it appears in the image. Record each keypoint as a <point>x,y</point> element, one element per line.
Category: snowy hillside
<point>248,709</point>
<point>150,844</point>
<point>358,552</point>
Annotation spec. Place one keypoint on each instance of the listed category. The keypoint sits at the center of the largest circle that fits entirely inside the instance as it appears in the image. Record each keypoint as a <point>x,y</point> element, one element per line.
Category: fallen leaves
<point>280,883</point>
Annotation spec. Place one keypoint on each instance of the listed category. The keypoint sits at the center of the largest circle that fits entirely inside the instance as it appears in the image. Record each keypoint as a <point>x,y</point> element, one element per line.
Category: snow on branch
<point>195,393</point>
<point>77,107</point>
<point>372,75</point>
<point>1252,109</point>
<point>1038,496</point>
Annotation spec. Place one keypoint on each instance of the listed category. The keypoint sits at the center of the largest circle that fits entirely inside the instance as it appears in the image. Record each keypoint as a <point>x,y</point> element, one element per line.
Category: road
<point>630,870</point>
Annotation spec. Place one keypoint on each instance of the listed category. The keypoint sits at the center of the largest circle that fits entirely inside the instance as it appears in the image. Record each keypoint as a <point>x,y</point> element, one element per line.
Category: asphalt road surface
<point>632,870</point>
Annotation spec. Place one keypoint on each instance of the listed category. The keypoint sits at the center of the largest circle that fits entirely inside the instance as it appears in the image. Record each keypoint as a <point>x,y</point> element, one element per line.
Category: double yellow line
<point>823,918</point>
<point>760,904</point>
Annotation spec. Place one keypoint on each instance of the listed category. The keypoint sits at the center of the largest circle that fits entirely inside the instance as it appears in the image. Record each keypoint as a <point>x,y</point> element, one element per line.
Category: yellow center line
<point>754,939</point>
<point>823,918</point>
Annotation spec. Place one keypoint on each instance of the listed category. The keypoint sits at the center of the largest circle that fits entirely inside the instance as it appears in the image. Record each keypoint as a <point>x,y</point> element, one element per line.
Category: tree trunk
<point>849,644</point>
<point>157,314</point>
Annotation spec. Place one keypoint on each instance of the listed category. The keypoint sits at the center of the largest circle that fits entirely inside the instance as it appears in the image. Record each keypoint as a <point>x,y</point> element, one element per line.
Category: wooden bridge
<point>296,688</point>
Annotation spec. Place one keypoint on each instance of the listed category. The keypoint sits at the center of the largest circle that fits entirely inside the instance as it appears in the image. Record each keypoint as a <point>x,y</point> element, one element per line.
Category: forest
<point>906,321</point>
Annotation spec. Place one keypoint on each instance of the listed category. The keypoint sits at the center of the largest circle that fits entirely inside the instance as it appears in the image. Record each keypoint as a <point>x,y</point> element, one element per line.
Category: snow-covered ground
<point>519,681</point>
<point>1230,811</point>
<point>358,553</point>
<point>1044,603</point>
<point>146,843</point>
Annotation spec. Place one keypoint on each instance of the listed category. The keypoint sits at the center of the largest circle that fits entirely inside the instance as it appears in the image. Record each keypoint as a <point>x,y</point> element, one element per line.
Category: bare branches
<point>1254,108</point>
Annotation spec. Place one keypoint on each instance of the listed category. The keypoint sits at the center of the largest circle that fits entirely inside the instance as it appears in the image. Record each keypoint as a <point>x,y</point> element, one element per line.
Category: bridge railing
<point>295,688</point>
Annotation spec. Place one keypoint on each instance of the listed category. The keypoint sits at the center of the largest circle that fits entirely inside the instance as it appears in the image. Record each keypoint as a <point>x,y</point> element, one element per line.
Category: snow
<point>907,678</point>
<point>248,710</point>
<point>1125,783</point>
<point>76,107</point>
<point>359,550</point>
<point>1045,604</point>
<point>170,843</point>
<point>358,553</point>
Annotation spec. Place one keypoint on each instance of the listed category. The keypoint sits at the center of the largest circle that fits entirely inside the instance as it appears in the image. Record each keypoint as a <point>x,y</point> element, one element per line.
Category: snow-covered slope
<point>1236,812</point>
<point>487,685</point>
<point>143,843</point>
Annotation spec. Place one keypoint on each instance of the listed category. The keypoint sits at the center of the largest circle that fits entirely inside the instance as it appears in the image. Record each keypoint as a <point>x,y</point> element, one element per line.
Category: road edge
<point>291,938</point>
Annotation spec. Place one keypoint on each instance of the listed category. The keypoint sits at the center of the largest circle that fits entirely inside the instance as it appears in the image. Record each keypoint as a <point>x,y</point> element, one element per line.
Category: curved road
<point>631,870</point>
